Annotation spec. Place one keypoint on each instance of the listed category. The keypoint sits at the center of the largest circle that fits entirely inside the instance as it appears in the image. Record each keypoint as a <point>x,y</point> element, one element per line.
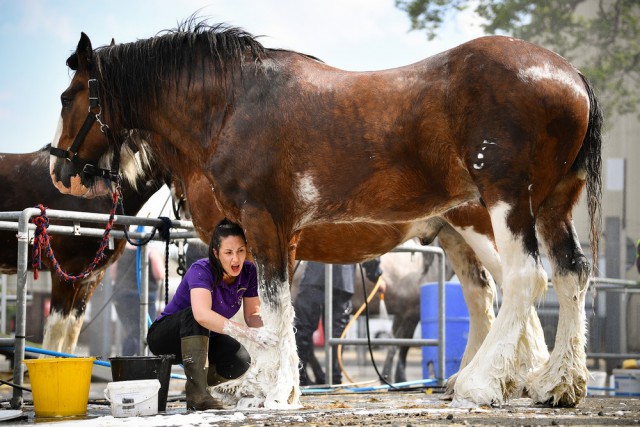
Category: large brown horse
<point>25,181</point>
<point>288,142</point>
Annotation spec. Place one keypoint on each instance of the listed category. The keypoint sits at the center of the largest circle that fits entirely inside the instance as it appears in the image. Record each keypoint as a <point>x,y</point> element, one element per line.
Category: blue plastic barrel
<point>456,324</point>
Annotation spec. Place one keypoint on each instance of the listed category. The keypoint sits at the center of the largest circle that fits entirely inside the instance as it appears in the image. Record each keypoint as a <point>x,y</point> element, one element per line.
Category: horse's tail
<point>589,159</point>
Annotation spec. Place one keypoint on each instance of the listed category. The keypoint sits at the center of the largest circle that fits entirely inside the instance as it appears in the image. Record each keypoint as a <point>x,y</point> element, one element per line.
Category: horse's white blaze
<point>61,332</point>
<point>493,373</point>
<point>549,72</point>
<point>56,140</point>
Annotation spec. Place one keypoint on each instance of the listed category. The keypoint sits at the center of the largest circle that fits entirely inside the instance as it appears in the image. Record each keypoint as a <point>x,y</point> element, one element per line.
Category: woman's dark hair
<point>224,229</point>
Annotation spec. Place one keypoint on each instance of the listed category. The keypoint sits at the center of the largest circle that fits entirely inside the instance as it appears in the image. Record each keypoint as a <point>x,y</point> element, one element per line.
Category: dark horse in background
<point>25,182</point>
<point>288,142</point>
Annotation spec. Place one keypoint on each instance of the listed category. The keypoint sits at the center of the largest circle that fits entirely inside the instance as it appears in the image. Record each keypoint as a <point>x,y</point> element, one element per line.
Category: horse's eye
<point>66,102</point>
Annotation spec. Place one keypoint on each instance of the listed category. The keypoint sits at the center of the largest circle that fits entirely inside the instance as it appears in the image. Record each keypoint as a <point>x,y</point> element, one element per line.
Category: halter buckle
<point>93,94</point>
<point>90,169</point>
<point>70,155</point>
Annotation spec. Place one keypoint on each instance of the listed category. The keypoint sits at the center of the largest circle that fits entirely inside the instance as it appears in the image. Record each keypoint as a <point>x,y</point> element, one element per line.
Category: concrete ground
<point>415,406</point>
<point>404,408</point>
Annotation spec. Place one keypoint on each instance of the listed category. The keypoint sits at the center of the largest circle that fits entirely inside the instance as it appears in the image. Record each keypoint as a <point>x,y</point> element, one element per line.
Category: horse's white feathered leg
<point>478,288</point>
<point>74,326</point>
<point>61,332</point>
<point>562,381</point>
<point>272,381</point>
<point>532,351</point>
<point>491,377</point>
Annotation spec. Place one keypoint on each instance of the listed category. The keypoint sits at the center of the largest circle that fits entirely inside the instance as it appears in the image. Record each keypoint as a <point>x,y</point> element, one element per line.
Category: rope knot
<point>42,242</point>
<point>41,239</point>
<point>165,228</point>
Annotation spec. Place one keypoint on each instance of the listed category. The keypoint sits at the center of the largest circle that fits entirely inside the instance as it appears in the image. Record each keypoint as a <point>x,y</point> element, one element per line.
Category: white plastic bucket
<point>133,398</point>
<point>627,382</point>
<point>597,384</point>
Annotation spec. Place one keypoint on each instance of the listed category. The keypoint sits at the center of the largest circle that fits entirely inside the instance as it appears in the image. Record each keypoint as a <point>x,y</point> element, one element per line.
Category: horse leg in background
<point>478,288</point>
<point>66,315</point>
<point>492,378</point>
<point>404,303</point>
<point>402,327</point>
<point>562,380</point>
<point>272,381</point>
<point>405,330</point>
<point>387,368</point>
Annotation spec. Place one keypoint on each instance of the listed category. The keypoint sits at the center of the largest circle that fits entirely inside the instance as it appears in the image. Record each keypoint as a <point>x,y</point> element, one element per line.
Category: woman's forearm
<point>211,320</point>
<point>254,320</point>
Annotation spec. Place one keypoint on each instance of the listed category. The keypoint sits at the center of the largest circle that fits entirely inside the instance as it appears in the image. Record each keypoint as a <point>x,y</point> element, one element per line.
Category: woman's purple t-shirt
<point>225,299</point>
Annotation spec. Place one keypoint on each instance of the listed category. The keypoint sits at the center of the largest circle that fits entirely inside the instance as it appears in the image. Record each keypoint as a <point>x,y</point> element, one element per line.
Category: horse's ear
<point>113,42</point>
<point>84,53</point>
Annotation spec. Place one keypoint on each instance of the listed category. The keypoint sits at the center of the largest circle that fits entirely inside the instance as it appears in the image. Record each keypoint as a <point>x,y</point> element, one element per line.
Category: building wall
<point>621,191</point>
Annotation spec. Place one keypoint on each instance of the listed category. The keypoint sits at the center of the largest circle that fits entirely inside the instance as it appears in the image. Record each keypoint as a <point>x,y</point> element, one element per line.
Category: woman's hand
<point>263,337</point>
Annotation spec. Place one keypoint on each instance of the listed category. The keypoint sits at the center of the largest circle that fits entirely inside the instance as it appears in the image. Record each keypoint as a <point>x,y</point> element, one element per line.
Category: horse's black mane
<point>137,73</point>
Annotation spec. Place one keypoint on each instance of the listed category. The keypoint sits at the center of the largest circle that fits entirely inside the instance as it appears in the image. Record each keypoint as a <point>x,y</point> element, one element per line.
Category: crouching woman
<point>195,325</point>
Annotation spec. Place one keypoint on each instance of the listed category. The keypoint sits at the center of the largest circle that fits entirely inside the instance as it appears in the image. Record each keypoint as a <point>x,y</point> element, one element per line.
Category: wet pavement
<point>397,408</point>
<point>406,407</point>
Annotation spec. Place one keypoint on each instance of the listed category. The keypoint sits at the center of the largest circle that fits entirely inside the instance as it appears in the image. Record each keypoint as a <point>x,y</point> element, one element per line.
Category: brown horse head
<point>81,145</point>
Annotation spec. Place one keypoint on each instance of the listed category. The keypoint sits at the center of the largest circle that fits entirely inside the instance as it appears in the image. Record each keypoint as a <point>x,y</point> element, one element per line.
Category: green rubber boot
<point>194,359</point>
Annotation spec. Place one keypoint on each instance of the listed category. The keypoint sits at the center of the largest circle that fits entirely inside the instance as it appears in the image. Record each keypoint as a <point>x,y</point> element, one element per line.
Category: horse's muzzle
<point>69,179</point>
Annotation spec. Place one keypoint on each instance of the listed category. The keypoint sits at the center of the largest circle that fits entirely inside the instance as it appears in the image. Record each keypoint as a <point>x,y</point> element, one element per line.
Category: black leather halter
<point>71,154</point>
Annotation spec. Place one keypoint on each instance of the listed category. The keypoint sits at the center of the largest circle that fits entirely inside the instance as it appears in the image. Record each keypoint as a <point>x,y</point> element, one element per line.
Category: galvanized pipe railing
<point>330,341</point>
<point>24,228</point>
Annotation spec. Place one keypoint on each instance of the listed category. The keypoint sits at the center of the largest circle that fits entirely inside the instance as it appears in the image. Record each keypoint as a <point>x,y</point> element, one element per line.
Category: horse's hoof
<point>450,384</point>
<point>458,402</point>
<point>567,392</point>
<point>562,403</point>
<point>447,397</point>
<point>463,403</point>
<point>477,392</point>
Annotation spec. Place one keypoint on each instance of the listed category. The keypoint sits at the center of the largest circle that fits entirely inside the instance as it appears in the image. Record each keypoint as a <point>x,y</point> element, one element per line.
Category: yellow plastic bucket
<point>60,386</point>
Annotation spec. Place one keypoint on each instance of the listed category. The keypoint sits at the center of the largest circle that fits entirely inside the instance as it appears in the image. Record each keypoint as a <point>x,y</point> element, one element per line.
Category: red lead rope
<point>42,242</point>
